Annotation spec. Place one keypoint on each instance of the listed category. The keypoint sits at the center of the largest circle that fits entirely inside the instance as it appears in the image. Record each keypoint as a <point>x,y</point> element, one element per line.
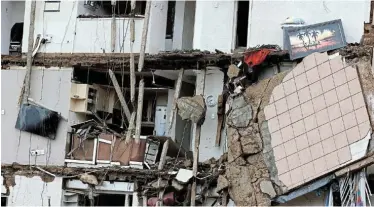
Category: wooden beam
<point>132,57</point>
<point>130,129</point>
<point>113,29</point>
<point>139,112</point>
<point>144,35</point>
<point>173,111</point>
<point>120,95</point>
<point>196,151</point>
<point>165,148</point>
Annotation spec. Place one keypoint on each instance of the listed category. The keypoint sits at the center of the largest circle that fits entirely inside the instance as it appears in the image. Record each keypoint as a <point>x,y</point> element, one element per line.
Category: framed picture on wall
<point>321,37</point>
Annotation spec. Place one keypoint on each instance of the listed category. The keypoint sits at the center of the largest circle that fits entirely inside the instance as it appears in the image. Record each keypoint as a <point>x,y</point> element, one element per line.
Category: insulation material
<point>317,119</point>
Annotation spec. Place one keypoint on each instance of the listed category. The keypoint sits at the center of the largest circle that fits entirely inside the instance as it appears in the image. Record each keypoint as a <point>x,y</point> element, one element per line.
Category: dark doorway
<point>106,200</point>
<point>4,201</point>
<point>242,24</point>
<point>170,19</point>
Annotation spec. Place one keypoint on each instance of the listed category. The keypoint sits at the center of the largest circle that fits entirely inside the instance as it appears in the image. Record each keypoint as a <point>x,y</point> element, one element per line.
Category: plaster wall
<point>183,25</point>
<point>51,88</point>
<point>33,191</point>
<point>11,12</point>
<point>214,77</point>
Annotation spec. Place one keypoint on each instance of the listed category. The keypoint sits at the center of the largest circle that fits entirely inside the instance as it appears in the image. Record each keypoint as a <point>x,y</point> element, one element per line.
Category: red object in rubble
<point>168,200</point>
<point>256,57</point>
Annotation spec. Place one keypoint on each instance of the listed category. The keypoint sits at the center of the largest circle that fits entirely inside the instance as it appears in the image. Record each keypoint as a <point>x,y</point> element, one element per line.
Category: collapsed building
<point>205,121</point>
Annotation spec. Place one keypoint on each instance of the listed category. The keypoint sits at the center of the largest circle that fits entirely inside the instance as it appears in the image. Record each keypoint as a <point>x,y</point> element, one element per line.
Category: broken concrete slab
<point>222,183</point>
<point>192,108</point>
<point>89,179</point>
<point>240,114</point>
<point>267,187</point>
<point>233,71</point>
<point>184,176</point>
<point>177,185</point>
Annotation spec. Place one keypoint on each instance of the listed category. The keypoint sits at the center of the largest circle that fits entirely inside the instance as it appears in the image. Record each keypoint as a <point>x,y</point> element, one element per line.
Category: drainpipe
<point>29,52</point>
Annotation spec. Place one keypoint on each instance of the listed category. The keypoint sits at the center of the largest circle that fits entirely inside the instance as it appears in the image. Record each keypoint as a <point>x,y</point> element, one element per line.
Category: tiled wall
<point>314,117</point>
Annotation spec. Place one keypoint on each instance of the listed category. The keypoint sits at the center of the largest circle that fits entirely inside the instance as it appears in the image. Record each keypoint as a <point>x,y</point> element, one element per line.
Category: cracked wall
<point>317,119</point>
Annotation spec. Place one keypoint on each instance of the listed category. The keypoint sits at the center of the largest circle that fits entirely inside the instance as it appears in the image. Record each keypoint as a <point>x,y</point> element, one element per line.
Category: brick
<point>315,89</point>
<point>332,160</point>
<point>364,129</point>
<point>313,137</point>
<point>336,64</point>
<point>292,100</point>
<point>337,126</point>
<point>320,165</point>
<point>304,95</point>
<point>312,75</point>
<point>278,92</point>
<point>279,152</point>
<point>353,134</point>
<point>298,128</point>
<point>324,70</point>
<point>349,120</point>
<point>305,156</point>
<point>358,101</point>
<point>290,147</point>
<point>309,62</point>
<point>328,145</point>
<point>351,73</point>
<point>325,131</point>
<point>276,138</point>
<point>354,86</point>
<point>327,83</point>
<point>344,155</point>
<point>339,78</point>
<point>361,115</point>
<point>293,161</point>
<point>334,111</point>
<point>299,69</point>
<point>341,140</point>
<point>287,133</point>
<point>282,166</point>
<point>310,122</point>
<point>289,86</point>
<point>296,114</point>
<point>307,108</point>
<point>301,81</point>
<point>308,170</point>
<point>319,103</point>
<point>269,111</point>
<point>331,97</point>
<point>346,106</point>
<point>301,142</point>
<point>284,119</point>
<point>281,106</point>
<point>342,92</point>
<point>273,124</point>
<point>321,57</point>
<point>316,150</point>
<point>322,117</point>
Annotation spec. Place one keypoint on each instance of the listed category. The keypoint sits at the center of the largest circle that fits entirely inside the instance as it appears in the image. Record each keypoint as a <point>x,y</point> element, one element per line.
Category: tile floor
<point>316,113</point>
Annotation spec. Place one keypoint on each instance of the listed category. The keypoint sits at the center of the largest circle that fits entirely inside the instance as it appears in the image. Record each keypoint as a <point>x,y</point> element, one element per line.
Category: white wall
<point>266,17</point>
<point>214,23</point>
<point>33,191</point>
<point>183,24</point>
<point>50,87</point>
<point>11,12</point>
<point>214,77</point>
<point>92,35</point>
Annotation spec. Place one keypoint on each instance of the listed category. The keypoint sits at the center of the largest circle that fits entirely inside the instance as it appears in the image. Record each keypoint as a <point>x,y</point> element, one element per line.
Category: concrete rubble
<point>192,108</point>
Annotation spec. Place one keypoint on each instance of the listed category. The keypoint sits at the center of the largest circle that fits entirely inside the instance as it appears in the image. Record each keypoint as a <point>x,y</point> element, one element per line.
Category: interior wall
<point>51,88</point>
<point>311,12</point>
<point>33,191</point>
<point>11,12</point>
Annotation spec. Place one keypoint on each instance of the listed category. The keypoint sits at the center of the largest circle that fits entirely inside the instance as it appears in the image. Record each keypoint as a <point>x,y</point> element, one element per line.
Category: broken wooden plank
<point>120,95</point>
<point>165,148</point>
<point>132,58</point>
<point>173,111</point>
<point>144,35</point>
<point>220,113</point>
<point>130,129</point>
<point>139,111</point>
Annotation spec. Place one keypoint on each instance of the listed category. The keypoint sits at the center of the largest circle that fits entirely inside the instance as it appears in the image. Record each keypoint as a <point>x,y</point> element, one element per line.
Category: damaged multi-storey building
<point>151,103</point>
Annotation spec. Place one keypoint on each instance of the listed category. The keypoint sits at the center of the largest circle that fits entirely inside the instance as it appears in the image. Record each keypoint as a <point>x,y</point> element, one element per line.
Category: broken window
<point>170,20</point>
<point>242,23</point>
<point>16,35</point>
<point>106,200</point>
<point>122,8</point>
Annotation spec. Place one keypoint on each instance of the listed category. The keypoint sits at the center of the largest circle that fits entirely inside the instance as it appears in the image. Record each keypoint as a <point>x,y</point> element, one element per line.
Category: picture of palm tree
<point>315,35</point>
<point>307,34</point>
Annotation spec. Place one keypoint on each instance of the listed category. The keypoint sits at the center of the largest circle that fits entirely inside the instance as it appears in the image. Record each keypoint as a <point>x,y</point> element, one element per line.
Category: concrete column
<point>214,23</point>
<point>157,27</point>
<point>214,77</point>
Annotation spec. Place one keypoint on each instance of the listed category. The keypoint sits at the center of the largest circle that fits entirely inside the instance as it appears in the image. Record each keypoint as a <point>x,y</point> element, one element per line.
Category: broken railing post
<point>173,111</point>
<point>139,111</point>
<point>132,58</point>
<point>119,94</point>
<point>165,148</point>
